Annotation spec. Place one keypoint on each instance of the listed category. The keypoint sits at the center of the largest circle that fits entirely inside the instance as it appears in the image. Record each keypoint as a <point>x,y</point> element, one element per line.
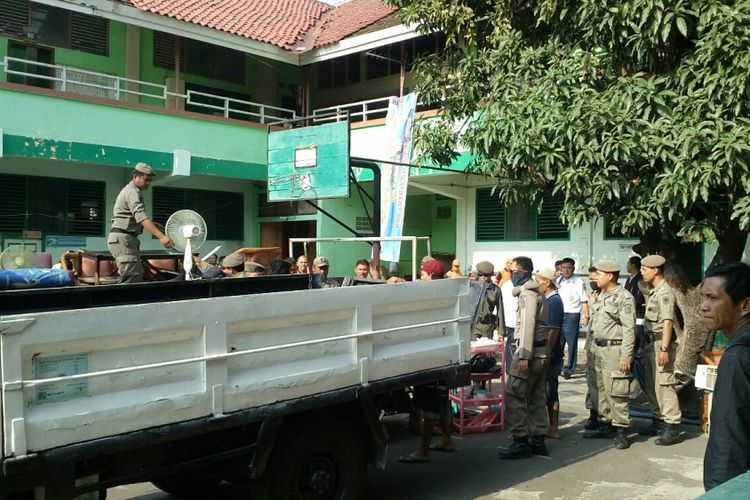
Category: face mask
<point>518,278</point>
<point>594,286</point>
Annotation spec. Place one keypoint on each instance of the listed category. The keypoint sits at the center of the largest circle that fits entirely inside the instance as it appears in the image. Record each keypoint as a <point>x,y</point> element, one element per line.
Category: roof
<point>283,23</point>
<point>351,17</point>
<point>278,22</point>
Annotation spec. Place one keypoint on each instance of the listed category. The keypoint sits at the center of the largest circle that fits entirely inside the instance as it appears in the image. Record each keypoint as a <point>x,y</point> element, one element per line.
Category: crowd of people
<point>632,333</point>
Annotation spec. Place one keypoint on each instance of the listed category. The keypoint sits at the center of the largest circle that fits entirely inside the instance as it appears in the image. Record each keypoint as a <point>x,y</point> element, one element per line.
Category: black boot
<point>669,436</point>
<point>518,449</point>
<point>604,431</point>
<point>621,439</point>
<point>656,428</point>
<point>538,447</point>
<point>593,422</point>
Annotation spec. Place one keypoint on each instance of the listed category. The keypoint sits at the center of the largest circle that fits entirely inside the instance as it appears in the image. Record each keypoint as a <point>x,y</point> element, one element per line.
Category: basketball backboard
<point>309,162</point>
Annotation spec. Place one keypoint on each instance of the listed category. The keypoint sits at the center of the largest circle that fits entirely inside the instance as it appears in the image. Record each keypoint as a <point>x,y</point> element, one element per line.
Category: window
<point>51,205</point>
<point>206,104</point>
<point>222,211</point>
<point>199,58</point>
<point>341,71</point>
<point>495,222</point>
<point>54,26</point>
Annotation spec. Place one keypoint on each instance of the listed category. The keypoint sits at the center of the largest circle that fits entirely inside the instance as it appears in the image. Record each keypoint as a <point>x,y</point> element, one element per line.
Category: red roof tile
<point>283,23</point>
<point>351,17</point>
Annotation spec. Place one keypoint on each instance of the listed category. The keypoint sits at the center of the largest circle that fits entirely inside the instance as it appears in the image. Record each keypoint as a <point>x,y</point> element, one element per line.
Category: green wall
<point>420,220</point>
<point>54,127</point>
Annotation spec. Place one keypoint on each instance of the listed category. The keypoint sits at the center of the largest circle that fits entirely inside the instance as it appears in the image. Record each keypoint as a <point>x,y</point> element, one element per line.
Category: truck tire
<point>187,485</point>
<point>319,460</point>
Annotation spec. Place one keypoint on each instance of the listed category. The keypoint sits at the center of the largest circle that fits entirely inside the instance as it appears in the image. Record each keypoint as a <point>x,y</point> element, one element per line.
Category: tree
<point>637,111</point>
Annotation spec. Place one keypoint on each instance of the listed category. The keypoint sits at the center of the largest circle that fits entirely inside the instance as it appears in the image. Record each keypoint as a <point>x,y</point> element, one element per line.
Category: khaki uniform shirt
<point>615,320</point>
<point>532,316</point>
<point>129,210</point>
<point>660,305</point>
<point>593,304</point>
<point>490,312</point>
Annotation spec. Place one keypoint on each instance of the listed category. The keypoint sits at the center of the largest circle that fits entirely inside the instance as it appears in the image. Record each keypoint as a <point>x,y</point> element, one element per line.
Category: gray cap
<point>653,261</point>
<point>546,273</point>
<point>321,261</point>
<point>485,267</point>
<point>233,260</point>
<point>607,266</point>
<point>144,168</point>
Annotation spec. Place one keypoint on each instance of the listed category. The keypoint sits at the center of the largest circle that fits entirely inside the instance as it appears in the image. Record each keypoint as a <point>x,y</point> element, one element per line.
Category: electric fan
<point>187,229</point>
<point>17,257</point>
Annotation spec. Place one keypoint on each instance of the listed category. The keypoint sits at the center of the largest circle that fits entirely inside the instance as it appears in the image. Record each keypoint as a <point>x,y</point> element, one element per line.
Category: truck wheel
<point>317,461</point>
<point>187,486</point>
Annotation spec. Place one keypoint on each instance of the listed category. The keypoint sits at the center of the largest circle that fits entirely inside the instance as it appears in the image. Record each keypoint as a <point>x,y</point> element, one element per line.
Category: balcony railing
<point>95,84</point>
<point>356,111</point>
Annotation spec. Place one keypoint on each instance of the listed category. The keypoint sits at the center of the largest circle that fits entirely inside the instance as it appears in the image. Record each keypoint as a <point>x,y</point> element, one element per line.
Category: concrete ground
<point>576,468</point>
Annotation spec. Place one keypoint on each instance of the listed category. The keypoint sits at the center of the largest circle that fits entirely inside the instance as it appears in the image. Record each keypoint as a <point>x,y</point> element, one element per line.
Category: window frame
<point>478,206</point>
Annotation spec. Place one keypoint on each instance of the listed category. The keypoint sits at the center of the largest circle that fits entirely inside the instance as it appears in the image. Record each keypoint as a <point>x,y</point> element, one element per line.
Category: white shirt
<point>509,304</point>
<point>572,292</point>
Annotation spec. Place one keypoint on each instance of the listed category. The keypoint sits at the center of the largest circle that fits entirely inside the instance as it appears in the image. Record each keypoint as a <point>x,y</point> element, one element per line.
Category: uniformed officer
<point>614,341</point>
<point>659,353</point>
<point>526,391</point>
<point>592,386</point>
<point>490,312</point>
<point>129,219</point>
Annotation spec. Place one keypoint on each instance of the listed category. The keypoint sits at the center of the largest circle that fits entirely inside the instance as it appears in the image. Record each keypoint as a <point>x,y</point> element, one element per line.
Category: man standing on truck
<point>129,219</point>
<point>526,391</point>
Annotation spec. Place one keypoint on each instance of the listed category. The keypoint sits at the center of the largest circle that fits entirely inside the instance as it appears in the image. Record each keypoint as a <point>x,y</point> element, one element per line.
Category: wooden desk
<point>104,255</point>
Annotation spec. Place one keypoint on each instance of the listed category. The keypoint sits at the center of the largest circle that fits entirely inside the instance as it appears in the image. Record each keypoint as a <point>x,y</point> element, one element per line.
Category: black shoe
<point>604,431</point>
<point>655,428</point>
<point>518,449</point>
<point>621,439</point>
<point>593,421</point>
<point>669,436</point>
<point>566,375</point>
<point>538,447</point>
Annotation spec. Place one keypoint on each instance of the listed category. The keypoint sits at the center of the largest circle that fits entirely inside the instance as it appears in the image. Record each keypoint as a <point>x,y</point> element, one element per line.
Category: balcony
<point>94,84</point>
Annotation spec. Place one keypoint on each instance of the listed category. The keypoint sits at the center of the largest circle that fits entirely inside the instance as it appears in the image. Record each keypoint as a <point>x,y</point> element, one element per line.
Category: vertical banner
<point>394,178</point>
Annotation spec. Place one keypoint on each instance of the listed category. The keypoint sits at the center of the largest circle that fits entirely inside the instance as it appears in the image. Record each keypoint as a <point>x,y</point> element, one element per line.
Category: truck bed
<point>72,376</point>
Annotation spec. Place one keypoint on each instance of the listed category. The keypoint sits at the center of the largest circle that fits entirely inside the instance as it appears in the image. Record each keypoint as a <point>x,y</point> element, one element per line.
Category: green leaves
<point>636,110</point>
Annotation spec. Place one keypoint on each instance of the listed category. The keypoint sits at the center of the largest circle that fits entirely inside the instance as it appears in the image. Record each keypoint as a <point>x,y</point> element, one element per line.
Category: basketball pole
<point>375,222</point>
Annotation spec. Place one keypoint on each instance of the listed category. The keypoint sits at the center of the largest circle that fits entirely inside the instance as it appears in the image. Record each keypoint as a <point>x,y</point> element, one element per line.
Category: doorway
<point>277,234</point>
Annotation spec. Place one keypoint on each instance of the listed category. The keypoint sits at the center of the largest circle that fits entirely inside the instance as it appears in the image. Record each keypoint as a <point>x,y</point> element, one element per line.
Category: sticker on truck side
<point>61,366</point>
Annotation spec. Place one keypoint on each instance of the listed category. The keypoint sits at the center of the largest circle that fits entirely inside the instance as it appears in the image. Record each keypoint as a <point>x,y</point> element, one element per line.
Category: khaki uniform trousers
<point>526,397</point>
<point>660,384</point>
<point>613,386</point>
<point>125,248</point>
<point>592,395</point>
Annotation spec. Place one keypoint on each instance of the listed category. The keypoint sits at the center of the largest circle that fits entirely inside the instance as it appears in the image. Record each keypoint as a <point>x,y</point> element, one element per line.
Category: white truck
<point>111,385</point>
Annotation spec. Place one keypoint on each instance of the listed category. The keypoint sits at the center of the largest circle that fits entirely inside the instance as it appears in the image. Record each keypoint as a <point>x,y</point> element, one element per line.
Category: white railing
<point>96,84</point>
<point>356,111</point>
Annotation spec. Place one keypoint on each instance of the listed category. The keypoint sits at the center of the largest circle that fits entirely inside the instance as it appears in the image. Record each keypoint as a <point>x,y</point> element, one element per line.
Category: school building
<point>89,89</point>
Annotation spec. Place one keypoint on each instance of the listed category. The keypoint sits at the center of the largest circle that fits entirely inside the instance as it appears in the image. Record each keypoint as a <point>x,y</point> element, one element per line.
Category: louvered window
<point>199,58</point>
<point>52,205</point>
<point>89,33</point>
<point>495,222</point>
<point>54,26</point>
<point>223,211</point>
<point>14,16</point>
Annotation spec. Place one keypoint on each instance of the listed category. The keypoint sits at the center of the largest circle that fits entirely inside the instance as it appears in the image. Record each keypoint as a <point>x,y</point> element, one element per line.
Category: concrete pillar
<point>132,60</point>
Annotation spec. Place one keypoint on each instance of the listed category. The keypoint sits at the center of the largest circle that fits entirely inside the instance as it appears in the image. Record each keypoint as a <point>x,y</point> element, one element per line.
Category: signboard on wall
<point>64,241</point>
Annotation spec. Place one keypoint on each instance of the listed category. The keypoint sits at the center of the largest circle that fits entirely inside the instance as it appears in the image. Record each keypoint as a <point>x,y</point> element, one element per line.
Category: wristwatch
<point>664,349</point>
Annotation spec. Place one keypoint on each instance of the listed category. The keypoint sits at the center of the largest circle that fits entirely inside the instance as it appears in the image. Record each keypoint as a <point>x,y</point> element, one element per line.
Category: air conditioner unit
<point>705,377</point>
